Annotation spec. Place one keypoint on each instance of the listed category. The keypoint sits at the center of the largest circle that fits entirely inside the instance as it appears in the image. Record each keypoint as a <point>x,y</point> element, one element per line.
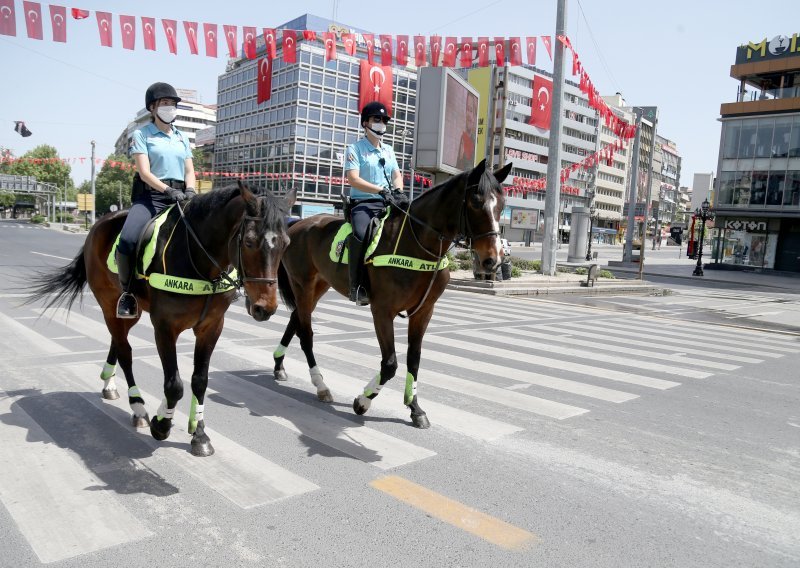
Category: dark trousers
<point>362,213</point>
<point>140,213</point>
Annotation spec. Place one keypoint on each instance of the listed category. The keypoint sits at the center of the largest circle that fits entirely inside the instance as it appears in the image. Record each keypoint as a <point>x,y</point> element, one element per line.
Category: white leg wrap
<point>316,378</point>
<point>134,392</point>
<point>138,409</point>
<point>374,386</point>
<point>198,412</point>
<point>164,412</point>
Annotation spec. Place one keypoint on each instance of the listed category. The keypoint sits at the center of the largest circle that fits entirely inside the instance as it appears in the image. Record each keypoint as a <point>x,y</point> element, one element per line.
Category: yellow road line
<point>480,524</point>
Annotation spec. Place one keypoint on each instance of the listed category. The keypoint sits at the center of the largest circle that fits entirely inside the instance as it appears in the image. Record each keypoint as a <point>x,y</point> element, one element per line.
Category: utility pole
<point>647,194</point>
<point>63,202</point>
<point>552,196</point>
<point>119,188</point>
<point>93,189</point>
<point>633,191</point>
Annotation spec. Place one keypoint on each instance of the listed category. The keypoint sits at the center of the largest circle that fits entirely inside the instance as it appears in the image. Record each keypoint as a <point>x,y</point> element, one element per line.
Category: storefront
<point>759,243</point>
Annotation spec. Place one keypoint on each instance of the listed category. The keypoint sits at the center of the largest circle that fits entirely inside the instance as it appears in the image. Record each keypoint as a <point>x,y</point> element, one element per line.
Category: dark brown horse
<point>202,243</point>
<point>466,206</point>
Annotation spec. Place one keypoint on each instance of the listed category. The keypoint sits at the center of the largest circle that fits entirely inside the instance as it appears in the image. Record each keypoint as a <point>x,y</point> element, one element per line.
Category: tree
<point>42,162</point>
<point>113,183</point>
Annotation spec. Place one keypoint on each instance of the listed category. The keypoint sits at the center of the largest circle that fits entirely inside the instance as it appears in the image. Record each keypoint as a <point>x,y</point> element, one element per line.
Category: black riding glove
<point>386,195</point>
<point>400,198</point>
<point>189,192</point>
<point>175,194</point>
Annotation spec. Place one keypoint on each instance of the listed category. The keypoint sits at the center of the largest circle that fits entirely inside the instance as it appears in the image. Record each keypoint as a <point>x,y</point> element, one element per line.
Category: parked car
<point>506,247</point>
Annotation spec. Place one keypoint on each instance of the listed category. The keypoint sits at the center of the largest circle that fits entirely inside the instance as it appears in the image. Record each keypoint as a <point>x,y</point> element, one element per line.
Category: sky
<point>675,55</point>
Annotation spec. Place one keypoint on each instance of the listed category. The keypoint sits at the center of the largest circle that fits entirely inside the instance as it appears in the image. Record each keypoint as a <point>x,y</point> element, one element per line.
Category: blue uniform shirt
<point>167,152</point>
<point>365,158</point>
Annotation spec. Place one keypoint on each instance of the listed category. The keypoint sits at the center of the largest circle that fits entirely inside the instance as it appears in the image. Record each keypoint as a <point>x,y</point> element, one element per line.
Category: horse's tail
<point>285,288</point>
<point>64,284</point>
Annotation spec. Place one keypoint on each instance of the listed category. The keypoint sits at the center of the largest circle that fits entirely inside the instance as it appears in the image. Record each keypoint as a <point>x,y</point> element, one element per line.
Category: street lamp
<point>590,203</point>
<point>704,213</point>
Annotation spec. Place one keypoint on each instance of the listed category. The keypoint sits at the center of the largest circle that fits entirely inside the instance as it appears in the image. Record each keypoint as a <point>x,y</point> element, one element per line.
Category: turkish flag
<point>386,50</point>
<point>230,37</point>
<point>8,19</point>
<point>127,24</point>
<point>375,85</point>
<point>436,48</point>
<point>483,52</point>
<point>270,43</point>
<point>170,27</point>
<point>466,52</point>
<point>541,102</point>
<point>249,42</point>
<point>349,42</point>
<point>576,64</point>
<point>531,45</point>
<point>369,39</point>
<point>264,80</point>
<point>289,40</point>
<point>210,33</point>
<point>149,33</point>
<point>514,51</point>
<point>104,27</point>
<point>33,19</point>
<point>419,51</point>
<point>308,35</point>
<point>450,48</point>
<point>402,50</point>
<point>58,17</point>
<point>547,45</point>
<point>190,29</point>
<point>500,50</point>
<point>330,45</point>
<point>79,14</point>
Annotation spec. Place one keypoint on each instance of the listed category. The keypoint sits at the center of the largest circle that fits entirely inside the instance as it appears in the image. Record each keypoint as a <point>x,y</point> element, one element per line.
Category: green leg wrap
<point>280,351</point>
<point>108,371</point>
<point>195,415</point>
<point>411,389</point>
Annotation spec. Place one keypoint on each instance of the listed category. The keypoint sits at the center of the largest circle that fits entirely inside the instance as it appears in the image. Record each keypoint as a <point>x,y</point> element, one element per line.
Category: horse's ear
<point>290,197</point>
<point>249,197</point>
<point>503,172</point>
<point>476,172</point>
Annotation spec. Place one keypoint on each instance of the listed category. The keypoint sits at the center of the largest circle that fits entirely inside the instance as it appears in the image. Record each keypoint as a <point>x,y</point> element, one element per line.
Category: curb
<point>520,289</point>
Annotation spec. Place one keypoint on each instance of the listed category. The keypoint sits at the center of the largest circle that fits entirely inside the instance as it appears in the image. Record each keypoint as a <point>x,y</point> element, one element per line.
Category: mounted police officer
<point>164,175</point>
<point>375,180</point>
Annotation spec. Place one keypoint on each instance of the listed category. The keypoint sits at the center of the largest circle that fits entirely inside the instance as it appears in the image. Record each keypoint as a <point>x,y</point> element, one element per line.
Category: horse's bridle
<point>243,278</point>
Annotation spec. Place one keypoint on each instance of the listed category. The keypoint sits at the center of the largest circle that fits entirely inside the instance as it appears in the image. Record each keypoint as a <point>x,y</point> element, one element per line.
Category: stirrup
<point>127,306</point>
<point>359,296</point>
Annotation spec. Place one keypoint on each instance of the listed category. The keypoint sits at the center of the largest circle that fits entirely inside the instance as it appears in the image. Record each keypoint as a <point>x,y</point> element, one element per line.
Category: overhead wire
<point>597,48</point>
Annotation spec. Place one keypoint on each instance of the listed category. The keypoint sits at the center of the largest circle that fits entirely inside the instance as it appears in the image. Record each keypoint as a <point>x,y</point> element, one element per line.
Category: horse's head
<point>484,201</point>
<point>261,243</point>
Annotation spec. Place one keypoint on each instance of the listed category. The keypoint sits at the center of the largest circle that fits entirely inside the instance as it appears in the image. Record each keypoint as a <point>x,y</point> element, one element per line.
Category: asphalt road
<point>562,435</point>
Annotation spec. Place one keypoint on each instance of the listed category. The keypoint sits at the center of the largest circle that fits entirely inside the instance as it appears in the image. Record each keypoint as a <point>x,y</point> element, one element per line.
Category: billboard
<point>445,139</point>
<point>525,219</point>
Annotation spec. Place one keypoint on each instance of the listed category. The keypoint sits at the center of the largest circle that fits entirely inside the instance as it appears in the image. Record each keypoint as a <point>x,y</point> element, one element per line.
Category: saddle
<point>145,245</point>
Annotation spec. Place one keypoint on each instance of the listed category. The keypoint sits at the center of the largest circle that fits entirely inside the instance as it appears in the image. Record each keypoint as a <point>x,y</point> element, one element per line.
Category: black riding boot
<point>358,293</point>
<point>127,307</point>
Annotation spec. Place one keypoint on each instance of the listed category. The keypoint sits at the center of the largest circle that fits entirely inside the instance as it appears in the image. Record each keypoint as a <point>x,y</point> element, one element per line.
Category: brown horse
<point>409,278</point>
<point>201,243</point>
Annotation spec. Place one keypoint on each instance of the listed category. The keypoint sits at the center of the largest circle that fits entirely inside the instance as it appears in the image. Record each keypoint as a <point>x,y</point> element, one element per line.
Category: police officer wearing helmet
<point>164,175</point>
<point>375,179</point>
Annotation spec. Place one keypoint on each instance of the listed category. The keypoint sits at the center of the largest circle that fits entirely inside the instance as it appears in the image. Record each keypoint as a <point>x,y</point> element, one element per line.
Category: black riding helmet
<point>160,91</point>
<point>374,109</point>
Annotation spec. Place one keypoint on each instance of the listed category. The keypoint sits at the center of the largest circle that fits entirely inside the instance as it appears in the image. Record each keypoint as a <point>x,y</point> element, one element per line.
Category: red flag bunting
<point>149,33</point>
<point>270,43</point>
<point>375,85</point>
<point>33,19</point>
<point>514,51</point>
<point>231,33</point>
<point>386,50</point>
<point>79,14</point>
<point>289,41</point>
<point>531,45</point>
<point>483,51</point>
<point>308,35</point>
<point>127,26</point>
<point>436,48</point>
<point>190,29</point>
<point>466,52</point>
<point>104,27</point>
<point>170,27</point>
<point>249,42</point>
<point>210,34</point>
<point>349,42</point>
<point>58,17</point>
<point>330,45</point>
<point>541,102</point>
<point>450,48</point>
<point>369,39</point>
<point>500,50</point>
<point>264,80</point>
<point>419,51</point>
<point>402,50</point>
<point>546,40</point>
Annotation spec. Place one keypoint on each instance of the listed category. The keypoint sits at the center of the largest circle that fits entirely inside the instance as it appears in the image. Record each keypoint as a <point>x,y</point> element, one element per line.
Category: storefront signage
<point>778,47</point>
<point>748,226</point>
<point>520,155</point>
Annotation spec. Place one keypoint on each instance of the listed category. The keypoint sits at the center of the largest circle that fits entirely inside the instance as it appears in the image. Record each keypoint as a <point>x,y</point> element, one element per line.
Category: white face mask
<point>167,113</point>
<point>378,129</point>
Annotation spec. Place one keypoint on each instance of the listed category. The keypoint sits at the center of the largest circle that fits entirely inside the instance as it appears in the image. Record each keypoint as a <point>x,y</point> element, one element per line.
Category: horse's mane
<point>484,184</point>
<point>272,209</point>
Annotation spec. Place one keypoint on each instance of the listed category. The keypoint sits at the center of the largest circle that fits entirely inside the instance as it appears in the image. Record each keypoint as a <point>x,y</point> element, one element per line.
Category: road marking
<point>89,327</point>
<point>49,496</point>
<point>16,332</point>
<point>752,315</point>
<point>491,529</point>
<point>51,255</point>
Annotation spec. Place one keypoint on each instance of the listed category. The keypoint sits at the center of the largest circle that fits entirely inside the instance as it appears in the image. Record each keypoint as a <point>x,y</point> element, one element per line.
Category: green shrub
<point>606,274</point>
<point>38,219</point>
<point>524,264</point>
<point>515,272</point>
<point>65,218</point>
<point>464,255</point>
<point>581,270</point>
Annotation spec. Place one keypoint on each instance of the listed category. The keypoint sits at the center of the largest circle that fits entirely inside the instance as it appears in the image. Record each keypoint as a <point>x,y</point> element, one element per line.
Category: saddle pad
<point>339,245</point>
<point>149,248</point>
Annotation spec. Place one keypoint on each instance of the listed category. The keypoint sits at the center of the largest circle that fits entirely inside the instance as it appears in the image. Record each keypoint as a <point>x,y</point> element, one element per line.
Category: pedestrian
<point>375,179</point>
<point>164,175</point>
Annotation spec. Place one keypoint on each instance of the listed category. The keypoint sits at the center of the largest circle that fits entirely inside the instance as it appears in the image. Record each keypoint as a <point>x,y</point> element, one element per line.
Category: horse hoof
<point>140,421</point>
<point>420,421</point>
<point>158,434</point>
<point>357,408</point>
<point>281,375</point>
<point>110,394</point>
<point>202,449</point>
<point>324,396</point>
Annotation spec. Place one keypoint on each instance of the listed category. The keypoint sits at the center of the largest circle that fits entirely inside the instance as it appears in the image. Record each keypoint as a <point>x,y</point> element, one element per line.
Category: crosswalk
<point>491,369</point>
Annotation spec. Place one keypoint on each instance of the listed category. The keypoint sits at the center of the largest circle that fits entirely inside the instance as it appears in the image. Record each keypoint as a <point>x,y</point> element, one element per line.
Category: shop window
<point>741,195</point>
<point>727,183</point>
<point>758,192</point>
<point>764,138</point>
<point>777,181</point>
